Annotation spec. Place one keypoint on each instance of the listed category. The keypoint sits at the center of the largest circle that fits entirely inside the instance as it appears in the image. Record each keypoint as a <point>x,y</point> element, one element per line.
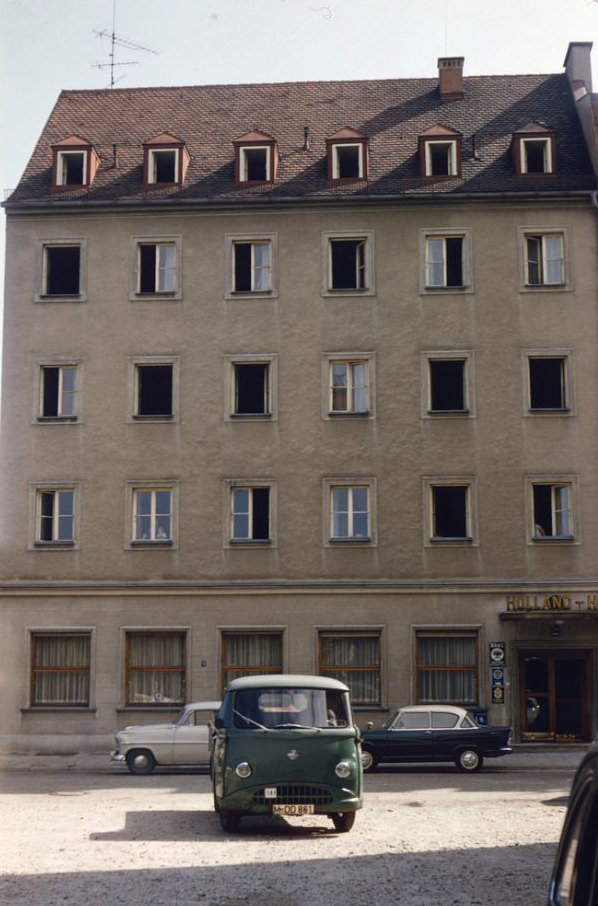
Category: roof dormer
<point>347,155</point>
<point>440,152</point>
<point>74,162</point>
<point>165,160</point>
<point>534,150</point>
<point>256,158</point>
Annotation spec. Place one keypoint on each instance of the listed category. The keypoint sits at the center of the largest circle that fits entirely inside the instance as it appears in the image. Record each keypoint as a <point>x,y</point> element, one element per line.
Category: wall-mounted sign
<point>497,652</point>
<point>497,676</point>
<point>552,603</point>
<point>498,695</point>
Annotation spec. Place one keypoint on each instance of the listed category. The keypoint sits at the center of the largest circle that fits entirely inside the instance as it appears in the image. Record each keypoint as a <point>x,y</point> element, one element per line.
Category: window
<point>534,150</point>
<point>155,668</point>
<point>349,391</point>
<point>157,267</point>
<point>251,267</point>
<point>250,513</point>
<point>71,168</point>
<point>446,667</point>
<point>447,386</point>
<point>552,510</point>
<point>62,270</point>
<point>165,160</point>
<point>350,512</point>
<point>251,388</point>
<point>163,165</point>
<point>354,659</point>
<point>548,383</point>
<point>347,153</point>
<point>441,158</point>
<point>445,261</point>
<point>255,158</point>
<point>55,516</point>
<point>60,668</point>
<point>451,514</point>
<point>58,392</point>
<point>544,259</point>
<point>250,654</point>
<point>349,264</point>
<point>154,391</point>
<point>153,515</point>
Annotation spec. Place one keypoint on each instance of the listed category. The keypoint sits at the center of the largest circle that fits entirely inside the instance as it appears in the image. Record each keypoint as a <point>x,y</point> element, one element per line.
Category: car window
<point>412,720</point>
<point>444,720</point>
<point>276,708</point>
<point>203,717</point>
<point>469,722</point>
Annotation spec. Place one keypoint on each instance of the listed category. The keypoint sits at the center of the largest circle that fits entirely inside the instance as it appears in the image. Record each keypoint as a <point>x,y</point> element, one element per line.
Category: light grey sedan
<point>184,742</point>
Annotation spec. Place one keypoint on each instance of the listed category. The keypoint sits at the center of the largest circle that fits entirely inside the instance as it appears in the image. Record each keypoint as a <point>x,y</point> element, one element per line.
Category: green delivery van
<point>286,745</point>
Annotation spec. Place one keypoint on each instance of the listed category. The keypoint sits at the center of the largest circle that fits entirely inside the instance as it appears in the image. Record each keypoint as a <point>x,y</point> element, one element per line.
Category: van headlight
<point>243,770</point>
<point>343,769</point>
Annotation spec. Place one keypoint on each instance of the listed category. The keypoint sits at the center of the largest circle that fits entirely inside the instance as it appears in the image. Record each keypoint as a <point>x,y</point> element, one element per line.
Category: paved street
<point>78,832</point>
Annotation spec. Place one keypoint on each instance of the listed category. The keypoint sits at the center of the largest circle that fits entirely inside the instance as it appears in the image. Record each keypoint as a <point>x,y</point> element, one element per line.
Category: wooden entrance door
<point>554,695</point>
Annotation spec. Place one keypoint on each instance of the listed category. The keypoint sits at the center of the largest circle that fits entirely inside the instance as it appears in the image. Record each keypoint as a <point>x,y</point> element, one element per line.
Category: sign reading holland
<point>552,603</point>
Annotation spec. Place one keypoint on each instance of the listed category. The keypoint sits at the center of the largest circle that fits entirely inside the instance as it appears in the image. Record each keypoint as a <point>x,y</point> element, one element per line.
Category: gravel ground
<point>77,833</point>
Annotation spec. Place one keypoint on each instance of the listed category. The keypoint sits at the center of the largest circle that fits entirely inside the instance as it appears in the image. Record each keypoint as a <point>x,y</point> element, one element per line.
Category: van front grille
<point>295,794</point>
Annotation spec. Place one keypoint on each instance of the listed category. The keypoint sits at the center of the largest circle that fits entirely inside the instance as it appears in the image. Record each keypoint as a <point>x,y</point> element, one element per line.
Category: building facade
<point>303,378</point>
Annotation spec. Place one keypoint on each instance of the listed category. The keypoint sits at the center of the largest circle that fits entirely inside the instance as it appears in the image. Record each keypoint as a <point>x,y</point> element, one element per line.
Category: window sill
<point>558,410</point>
<point>49,709</point>
<point>57,419</point>
<point>54,545</point>
<point>450,540</point>
<point>153,418</point>
<point>349,291</point>
<point>61,297</point>
<point>167,294</point>
<point>166,543</point>
<point>250,542</point>
<point>545,287</point>
<point>251,416</point>
<point>361,414</point>
<point>365,540</point>
<point>551,539</point>
<point>448,412</point>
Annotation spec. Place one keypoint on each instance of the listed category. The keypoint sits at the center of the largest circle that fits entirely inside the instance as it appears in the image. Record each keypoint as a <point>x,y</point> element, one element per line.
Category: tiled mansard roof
<point>391,113</point>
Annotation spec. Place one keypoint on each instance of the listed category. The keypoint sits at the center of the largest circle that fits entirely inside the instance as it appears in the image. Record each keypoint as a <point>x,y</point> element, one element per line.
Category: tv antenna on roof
<point>118,42</point>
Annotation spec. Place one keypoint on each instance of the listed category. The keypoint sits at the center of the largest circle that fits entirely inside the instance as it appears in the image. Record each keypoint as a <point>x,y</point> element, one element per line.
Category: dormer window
<point>74,162</point>
<point>440,152</point>
<point>347,155</point>
<point>165,160</point>
<point>533,149</point>
<point>255,158</point>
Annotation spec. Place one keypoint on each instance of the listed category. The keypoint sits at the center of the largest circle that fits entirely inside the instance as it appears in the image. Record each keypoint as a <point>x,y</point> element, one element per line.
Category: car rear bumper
<point>504,750</point>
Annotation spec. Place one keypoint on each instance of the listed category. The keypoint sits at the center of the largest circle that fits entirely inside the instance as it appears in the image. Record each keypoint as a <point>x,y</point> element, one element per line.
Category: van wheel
<point>140,761</point>
<point>343,821</point>
<point>368,760</point>
<point>469,760</point>
<point>229,821</point>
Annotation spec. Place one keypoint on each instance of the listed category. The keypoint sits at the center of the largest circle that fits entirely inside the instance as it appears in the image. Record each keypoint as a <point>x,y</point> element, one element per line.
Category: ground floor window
<point>447,667</point>
<point>354,659</point>
<point>250,653</point>
<point>60,669</point>
<point>155,668</point>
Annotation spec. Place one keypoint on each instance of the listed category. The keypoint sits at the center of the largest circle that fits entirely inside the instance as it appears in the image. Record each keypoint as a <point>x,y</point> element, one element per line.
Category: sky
<point>50,45</point>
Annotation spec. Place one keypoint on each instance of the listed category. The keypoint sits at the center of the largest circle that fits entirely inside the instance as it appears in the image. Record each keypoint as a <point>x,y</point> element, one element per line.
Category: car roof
<point>449,709</point>
<point>286,681</point>
<point>204,706</point>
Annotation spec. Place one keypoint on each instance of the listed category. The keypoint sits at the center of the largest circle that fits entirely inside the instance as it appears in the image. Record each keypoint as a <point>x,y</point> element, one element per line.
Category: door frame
<point>552,655</point>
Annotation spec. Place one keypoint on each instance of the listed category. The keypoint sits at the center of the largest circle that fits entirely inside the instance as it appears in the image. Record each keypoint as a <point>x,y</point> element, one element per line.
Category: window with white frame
<point>60,669</point>
<point>441,157</point>
<point>71,168</point>
<point>348,160</point>
<point>155,668</point>
<point>349,386</point>
<point>250,654</point>
<point>62,269</point>
<point>154,389</point>
<point>447,667</point>
<point>552,510</point>
<point>536,155</point>
<point>355,659</point>
<point>55,516</point>
<point>350,518</point>
<point>58,392</point>
<point>157,267</point>
<point>447,261</point>
<point>451,510</point>
<point>255,163</point>
<point>447,385</point>
<point>349,263</point>
<point>252,266</point>
<point>251,388</point>
<point>153,514</point>
<point>250,512</point>
<point>544,259</point>
<point>548,391</point>
<point>163,165</point>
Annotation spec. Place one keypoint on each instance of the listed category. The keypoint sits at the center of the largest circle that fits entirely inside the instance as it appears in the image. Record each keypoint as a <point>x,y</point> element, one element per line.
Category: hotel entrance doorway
<point>554,690</point>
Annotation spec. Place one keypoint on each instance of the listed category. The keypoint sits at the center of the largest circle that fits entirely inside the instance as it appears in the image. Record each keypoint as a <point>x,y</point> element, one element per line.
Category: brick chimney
<point>450,78</point>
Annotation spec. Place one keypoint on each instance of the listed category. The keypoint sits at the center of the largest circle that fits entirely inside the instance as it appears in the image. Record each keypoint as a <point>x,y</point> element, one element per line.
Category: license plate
<point>292,809</point>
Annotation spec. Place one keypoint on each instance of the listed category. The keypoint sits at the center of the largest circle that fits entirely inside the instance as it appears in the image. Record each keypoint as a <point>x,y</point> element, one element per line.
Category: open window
<point>74,162</point>
<point>447,386</point>
<point>250,387</point>
<point>252,267</point>
<point>450,516</point>
<point>154,390</point>
<point>256,158</point>
<point>440,152</point>
<point>58,392</point>
<point>347,153</point>
<point>552,510</point>
<point>548,383</point>
<point>349,385</point>
<point>544,256</point>
<point>250,512</point>
<point>62,271</point>
<point>349,263</point>
<point>157,267</point>
<point>534,150</point>
<point>55,516</point>
<point>445,261</point>
<point>165,160</point>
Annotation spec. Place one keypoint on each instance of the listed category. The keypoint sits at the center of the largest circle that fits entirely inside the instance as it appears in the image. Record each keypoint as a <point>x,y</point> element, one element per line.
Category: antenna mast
<point>118,42</point>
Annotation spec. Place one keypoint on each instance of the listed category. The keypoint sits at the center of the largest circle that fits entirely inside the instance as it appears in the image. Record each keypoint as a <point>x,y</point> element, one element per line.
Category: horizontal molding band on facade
<point>254,587</point>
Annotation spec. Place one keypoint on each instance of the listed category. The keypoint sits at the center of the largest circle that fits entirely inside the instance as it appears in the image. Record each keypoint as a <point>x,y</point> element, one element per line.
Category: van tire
<point>229,821</point>
<point>343,821</point>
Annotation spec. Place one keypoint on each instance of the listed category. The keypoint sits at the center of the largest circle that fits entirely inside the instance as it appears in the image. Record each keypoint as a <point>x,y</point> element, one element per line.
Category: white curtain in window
<point>342,657</point>
<point>61,670</point>
<point>156,668</point>
<point>447,669</point>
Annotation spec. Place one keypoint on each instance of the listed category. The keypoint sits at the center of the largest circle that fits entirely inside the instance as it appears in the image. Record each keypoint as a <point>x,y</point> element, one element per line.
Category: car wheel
<point>229,821</point>
<point>469,761</point>
<point>343,821</point>
<point>369,760</point>
<point>140,761</point>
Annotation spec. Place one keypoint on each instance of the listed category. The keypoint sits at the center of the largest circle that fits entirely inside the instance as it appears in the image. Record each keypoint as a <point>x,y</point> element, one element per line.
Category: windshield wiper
<point>249,720</point>
<point>295,727</point>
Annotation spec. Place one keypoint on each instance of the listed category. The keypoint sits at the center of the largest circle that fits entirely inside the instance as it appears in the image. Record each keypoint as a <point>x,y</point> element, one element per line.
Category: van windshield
<point>277,709</point>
